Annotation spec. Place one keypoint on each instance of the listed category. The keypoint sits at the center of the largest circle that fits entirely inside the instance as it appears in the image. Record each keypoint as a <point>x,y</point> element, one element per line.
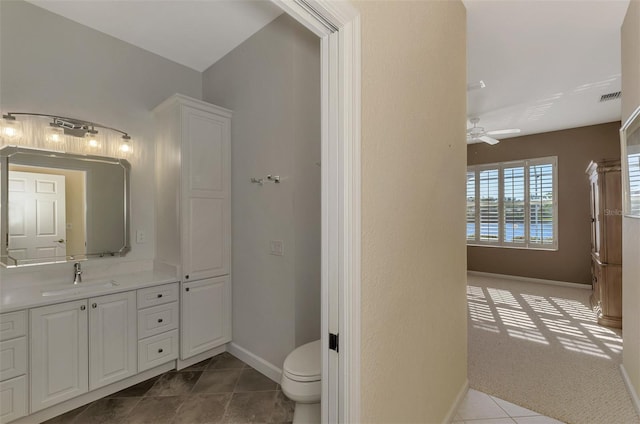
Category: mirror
<point>630,149</point>
<point>58,206</point>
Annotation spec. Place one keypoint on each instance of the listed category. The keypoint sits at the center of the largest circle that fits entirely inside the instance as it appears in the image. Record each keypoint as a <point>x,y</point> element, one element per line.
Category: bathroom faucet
<point>77,273</point>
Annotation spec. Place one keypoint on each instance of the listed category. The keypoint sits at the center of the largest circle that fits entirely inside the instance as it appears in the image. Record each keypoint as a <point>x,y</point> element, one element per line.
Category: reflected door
<point>36,215</point>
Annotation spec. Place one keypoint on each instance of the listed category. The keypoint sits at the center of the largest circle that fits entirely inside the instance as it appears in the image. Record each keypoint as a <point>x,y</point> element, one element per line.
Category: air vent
<point>610,96</point>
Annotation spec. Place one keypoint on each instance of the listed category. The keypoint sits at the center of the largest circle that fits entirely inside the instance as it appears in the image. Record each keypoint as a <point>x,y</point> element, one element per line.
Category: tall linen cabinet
<point>193,216</point>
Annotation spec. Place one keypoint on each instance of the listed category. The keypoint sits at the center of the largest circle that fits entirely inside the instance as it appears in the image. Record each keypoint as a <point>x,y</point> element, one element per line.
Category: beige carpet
<point>540,347</point>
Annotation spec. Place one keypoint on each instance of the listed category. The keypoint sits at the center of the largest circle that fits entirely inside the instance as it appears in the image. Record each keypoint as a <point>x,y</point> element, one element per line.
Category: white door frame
<point>337,23</point>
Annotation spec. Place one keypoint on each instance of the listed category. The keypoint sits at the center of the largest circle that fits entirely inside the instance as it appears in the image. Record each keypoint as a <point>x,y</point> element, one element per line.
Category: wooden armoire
<point>606,241</point>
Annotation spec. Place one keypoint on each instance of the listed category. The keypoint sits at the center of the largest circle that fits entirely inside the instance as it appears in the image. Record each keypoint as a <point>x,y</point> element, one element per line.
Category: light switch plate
<point>140,237</point>
<point>276,247</point>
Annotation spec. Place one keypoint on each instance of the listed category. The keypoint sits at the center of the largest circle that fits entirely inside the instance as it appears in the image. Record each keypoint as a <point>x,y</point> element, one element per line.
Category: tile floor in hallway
<point>222,389</point>
<point>480,408</point>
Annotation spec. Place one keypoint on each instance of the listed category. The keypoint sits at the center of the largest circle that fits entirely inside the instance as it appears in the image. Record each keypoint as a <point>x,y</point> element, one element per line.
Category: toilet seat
<point>304,363</point>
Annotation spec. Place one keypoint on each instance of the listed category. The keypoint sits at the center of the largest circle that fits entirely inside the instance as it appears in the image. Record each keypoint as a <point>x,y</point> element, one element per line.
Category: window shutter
<point>514,205</point>
<point>541,204</point>
<point>471,206</point>
<point>489,203</point>
<point>634,183</point>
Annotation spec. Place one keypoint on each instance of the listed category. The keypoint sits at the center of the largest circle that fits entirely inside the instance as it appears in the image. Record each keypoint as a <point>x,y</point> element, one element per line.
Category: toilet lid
<point>304,364</point>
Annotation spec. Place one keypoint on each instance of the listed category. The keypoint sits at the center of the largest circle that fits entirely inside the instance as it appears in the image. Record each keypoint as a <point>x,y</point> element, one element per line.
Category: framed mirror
<point>58,206</point>
<point>630,150</point>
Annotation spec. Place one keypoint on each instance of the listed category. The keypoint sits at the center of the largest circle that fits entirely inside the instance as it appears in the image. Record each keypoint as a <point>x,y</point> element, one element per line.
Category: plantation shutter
<point>471,205</point>
<point>541,204</point>
<point>634,183</point>
<point>489,203</point>
<point>514,205</point>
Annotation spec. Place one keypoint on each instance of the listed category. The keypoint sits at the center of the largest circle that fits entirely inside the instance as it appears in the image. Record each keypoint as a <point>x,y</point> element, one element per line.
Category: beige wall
<point>414,353</point>
<point>575,149</point>
<point>631,227</point>
<point>272,84</point>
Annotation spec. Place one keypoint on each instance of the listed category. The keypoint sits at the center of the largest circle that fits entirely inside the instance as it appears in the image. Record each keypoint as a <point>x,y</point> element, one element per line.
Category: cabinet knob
<point>159,295</point>
<point>160,351</point>
<point>159,319</point>
<point>186,277</point>
<point>82,307</point>
<point>94,305</point>
<point>187,289</point>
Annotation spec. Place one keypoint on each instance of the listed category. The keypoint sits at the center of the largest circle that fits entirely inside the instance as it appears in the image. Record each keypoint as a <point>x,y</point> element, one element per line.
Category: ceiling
<point>193,33</point>
<point>545,63</point>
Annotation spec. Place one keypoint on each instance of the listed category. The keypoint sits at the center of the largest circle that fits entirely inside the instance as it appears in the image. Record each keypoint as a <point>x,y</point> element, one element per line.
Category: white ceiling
<point>193,33</point>
<point>545,63</point>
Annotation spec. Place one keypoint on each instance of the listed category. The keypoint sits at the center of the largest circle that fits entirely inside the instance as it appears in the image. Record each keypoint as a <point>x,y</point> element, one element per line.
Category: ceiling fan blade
<point>489,140</point>
<point>502,132</point>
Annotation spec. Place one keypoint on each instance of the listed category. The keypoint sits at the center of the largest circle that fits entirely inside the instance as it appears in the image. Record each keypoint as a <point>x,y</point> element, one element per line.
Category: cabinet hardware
<point>94,305</point>
<point>186,289</point>
<point>82,307</point>
<point>186,277</point>
<point>159,295</point>
<point>334,343</point>
<point>159,319</point>
<point>160,350</point>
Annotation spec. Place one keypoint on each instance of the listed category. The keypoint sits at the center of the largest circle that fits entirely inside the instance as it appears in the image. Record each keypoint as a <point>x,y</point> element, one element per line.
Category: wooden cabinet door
<point>112,338</point>
<point>206,315</point>
<point>205,194</point>
<point>58,353</point>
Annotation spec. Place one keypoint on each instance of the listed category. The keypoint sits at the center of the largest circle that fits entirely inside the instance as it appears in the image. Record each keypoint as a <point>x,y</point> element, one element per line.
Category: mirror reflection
<point>58,206</point>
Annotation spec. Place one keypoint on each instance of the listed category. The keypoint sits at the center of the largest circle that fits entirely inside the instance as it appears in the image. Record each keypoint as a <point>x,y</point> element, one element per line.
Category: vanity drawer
<point>13,399</point>
<point>157,319</point>
<point>13,325</point>
<point>13,358</point>
<point>157,295</point>
<point>157,350</point>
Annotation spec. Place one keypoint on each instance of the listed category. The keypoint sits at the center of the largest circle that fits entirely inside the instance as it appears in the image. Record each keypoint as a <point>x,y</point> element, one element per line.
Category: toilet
<point>301,382</point>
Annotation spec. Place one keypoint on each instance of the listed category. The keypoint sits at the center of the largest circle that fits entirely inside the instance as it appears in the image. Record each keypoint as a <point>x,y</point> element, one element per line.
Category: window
<point>513,204</point>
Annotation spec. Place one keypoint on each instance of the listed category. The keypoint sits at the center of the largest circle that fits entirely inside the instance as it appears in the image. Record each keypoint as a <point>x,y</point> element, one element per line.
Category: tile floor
<point>480,408</point>
<point>222,389</point>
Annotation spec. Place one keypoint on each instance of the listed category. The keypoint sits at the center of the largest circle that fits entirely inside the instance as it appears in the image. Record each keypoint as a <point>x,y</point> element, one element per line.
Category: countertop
<point>17,298</point>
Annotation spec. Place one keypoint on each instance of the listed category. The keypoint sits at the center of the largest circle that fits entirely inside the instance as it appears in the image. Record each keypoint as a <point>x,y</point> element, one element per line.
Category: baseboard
<point>255,361</point>
<point>456,404</point>
<point>531,280</point>
<point>632,391</point>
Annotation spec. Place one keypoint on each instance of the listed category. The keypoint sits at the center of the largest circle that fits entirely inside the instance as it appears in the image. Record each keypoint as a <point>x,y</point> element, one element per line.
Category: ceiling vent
<point>610,96</point>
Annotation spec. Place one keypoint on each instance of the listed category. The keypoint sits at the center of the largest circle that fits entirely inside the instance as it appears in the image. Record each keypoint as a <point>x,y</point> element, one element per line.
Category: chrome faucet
<point>77,273</point>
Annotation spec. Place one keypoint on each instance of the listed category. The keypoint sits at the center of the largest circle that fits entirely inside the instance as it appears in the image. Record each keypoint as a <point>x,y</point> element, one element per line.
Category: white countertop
<point>16,298</point>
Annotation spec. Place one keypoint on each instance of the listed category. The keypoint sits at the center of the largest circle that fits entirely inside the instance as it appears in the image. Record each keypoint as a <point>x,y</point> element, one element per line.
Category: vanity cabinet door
<point>113,340</point>
<point>205,187</point>
<point>59,369</point>
<point>206,315</point>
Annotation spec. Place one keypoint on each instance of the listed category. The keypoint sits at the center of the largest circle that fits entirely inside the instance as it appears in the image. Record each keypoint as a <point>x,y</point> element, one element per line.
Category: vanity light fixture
<point>62,126</point>
<point>10,128</point>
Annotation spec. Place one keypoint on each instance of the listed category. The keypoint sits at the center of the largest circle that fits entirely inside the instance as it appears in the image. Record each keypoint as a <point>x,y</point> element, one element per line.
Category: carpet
<point>540,347</point>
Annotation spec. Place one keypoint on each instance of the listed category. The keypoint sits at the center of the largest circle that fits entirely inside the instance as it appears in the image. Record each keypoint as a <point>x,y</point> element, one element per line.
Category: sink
<point>79,288</point>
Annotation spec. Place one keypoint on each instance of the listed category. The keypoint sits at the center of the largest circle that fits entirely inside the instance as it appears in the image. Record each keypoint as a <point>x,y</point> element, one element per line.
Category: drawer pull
<point>82,307</point>
<point>159,295</point>
<point>94,305</point>
<point>160,351</point>
<point>159,319</point>
<point>187,289</point>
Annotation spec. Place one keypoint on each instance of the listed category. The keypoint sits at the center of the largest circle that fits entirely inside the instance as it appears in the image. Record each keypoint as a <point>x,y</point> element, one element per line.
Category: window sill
<point>500,246</point>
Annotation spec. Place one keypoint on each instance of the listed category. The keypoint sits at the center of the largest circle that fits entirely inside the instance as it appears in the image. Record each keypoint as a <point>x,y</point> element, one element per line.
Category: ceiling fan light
<point>505,131</point>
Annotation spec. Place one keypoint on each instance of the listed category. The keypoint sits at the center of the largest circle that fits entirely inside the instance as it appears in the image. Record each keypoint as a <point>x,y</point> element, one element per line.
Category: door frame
<point>337,24</point>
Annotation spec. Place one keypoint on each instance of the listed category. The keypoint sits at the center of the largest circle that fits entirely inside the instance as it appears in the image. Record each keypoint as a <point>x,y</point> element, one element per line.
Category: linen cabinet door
<point>205,188</point>
<point>113,340</point>
<point>59,353</point>
<point>206,315</point>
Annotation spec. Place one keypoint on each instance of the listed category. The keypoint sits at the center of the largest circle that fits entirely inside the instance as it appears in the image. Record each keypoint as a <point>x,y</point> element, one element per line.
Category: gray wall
<point>50,64</point>
<point>272,84</point>
<point>575,149</point>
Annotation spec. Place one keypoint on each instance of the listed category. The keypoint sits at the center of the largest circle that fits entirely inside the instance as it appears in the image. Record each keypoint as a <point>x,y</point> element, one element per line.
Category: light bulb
<point>54,134</point>
<point>92,138</point>
<point>124,147</point>
<point>11,129</point>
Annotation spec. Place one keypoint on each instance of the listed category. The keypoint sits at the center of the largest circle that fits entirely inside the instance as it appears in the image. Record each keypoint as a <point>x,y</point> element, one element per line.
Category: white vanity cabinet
<point>206,315</point>
<point>193,219</point>
<point>13,366</point>
<point>80,346</point>
<point>112,338</point>
<point>59,353</point>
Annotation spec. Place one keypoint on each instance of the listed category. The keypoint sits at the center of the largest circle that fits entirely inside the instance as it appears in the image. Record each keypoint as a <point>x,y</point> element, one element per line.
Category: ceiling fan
<point>476,133</point>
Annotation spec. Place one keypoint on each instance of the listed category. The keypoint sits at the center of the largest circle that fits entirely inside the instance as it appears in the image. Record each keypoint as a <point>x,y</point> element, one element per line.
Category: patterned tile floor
<point>222,389</point>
